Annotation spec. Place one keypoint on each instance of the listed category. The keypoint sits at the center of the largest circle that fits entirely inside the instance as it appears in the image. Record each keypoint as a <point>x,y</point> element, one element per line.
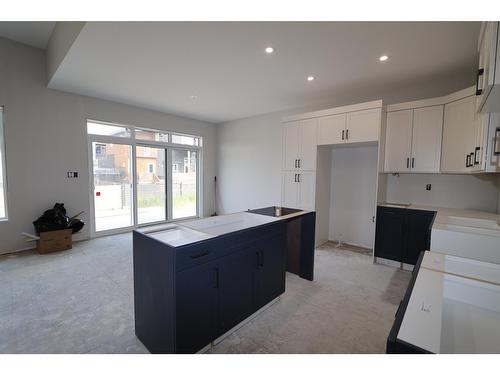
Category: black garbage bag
<point>56,219</point>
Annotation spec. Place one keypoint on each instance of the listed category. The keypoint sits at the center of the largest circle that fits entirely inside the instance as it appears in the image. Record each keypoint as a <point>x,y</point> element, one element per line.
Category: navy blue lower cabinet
<point>187,296</point>
<point>197,304</point>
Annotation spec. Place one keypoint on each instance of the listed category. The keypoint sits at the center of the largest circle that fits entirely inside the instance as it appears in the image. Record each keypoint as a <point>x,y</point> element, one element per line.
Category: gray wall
<point>45,137</point>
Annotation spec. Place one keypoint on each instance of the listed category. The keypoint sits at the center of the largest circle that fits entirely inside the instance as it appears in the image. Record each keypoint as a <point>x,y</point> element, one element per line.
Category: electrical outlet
<point>428,187</point>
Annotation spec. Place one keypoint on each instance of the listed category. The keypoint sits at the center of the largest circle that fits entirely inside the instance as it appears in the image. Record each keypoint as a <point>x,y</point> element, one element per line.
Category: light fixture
<point>383,58</point>
<point>269,50</point>
<point>310,78</point>
<point>193,97</point>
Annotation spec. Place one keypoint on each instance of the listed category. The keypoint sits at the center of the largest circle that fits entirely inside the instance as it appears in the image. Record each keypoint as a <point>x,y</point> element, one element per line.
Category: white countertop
<point>191,231</point>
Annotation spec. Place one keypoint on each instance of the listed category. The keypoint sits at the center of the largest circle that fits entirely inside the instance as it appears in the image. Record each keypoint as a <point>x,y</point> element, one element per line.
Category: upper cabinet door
<point>331,129</point>
<point>426,140</point>
<point>308,144</point>
<point>291,139</point>
<point>458,135</point>
<point>398,141</point>
<point>363,126</point>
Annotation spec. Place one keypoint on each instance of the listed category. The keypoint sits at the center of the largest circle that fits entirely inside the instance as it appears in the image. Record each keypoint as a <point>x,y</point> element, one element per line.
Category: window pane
<point>3,211</point>
<point>185,140</point>
<point>151,135</point>
<point>101,129</point>
<point>150,167</point>
<point>112,185</point>
<point>184,164</point>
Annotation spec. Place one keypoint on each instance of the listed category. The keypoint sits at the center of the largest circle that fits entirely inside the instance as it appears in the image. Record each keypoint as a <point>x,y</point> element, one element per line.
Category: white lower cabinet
<point>298,190</point>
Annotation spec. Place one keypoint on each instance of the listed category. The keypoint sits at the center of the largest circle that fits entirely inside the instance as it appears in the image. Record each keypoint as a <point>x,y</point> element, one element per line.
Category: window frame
<point>168,146</point>
<point>3,165</point>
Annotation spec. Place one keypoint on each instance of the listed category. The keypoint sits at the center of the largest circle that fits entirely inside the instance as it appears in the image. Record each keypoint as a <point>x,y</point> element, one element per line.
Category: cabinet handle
<point>476,155</point>
<point>295,163</point>
<point>295,179</point>
<point>412,163</point>
<point>216,278</point>
<point>299,163</point>
<point>467,161</point>
<point>199,255</point>
<point>479,91</point>
<point>298,177</point>
<point>347,134</point>
<point>471,159</point>
<point>496,141</point>
<point>343,134</point>
<point>407,162</point>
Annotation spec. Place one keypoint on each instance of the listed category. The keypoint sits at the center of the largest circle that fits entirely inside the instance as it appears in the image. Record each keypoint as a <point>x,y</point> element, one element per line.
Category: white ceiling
<point>33,33</point>
<point>160,65</point>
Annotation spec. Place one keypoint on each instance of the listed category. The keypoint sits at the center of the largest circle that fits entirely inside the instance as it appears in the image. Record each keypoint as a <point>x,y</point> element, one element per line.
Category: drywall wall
<point>353,195</point>
<point>478,192</point>
<point>250,150</point>
<point>45,136</point>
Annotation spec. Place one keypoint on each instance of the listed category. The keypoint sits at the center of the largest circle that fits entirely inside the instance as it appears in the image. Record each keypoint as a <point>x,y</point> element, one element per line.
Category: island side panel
<point>154,293</point>
<point>307,233</point>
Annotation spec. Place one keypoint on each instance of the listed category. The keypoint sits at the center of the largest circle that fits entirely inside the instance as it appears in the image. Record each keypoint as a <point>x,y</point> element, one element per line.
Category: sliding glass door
<point>113,196</point>
<point>151,184</point>
<point>184,183</point>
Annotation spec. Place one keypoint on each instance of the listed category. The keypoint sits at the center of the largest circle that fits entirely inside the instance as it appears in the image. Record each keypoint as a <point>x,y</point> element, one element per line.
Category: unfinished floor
<point>81,301</point>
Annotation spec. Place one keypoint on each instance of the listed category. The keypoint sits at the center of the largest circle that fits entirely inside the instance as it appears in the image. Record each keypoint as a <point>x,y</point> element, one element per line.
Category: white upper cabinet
<point>426,139</point>
<point>459,135</point>
<point>291,138</point>
<point>488,74</point>
<point>398,141</point>
<point>363,126</point>
<point>308,143</point>
<point>331,129</point>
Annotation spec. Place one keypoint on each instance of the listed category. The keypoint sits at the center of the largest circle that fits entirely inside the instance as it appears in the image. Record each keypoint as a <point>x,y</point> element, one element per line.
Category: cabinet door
<point>398,141</point>
<point>236,288</point>
<point>307,191</point>
<point>417,234</point>
<point>291,139</point>
<point>426,140</point>
<point>270,271</point>
<point>331,129</point>
<point>458,135</point>
<point>487,62</point>
<point>492,161</point>
<point>289,189</point>
<point>196,310</point>
<point>389,234</point>
<point>363,126</point>
<point>308,145</point>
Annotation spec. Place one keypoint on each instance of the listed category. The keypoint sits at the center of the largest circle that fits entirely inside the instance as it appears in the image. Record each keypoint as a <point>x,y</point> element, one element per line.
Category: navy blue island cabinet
<point>187,296</point>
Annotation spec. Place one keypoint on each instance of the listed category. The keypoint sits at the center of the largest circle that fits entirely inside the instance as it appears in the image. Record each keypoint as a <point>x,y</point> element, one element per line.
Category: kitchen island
<point>196,280</point>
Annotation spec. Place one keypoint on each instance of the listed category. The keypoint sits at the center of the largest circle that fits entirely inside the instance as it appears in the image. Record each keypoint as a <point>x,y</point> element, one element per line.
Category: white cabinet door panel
<point>307,191</point>
<point>291,139</point>
<point>398,141</point>
<point>308,144</point>
<point>289,189</point>
<point>458,135</point>
<point>331,129</point>
<point>426,141</point>
<point>363,126</point>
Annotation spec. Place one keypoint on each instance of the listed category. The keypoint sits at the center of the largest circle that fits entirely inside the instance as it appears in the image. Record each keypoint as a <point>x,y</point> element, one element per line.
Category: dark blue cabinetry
<point>186,297</point>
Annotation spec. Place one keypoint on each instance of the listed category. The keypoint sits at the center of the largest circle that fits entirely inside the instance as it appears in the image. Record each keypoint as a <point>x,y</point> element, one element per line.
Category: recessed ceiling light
<point>269,50</point>
<point>383,58</point>
<point>193,97</point>
<point>310,78</point>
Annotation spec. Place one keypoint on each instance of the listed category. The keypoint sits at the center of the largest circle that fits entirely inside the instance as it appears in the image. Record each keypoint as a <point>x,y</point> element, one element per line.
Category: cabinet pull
<point>467,161</point>
<point>412,163</point>
<point>347,134</point>
<point>298,177</point>
<point>479,91</point>
<point>476,155</point>
<point>295,179</point>
<point>407,162</point>
<point>199,255</point>
<point>471,159</point>
<point>343,134</point>
<point>496,141</point>
<point>216,278</point>
<point>295,163</point>
<point>299,163</point>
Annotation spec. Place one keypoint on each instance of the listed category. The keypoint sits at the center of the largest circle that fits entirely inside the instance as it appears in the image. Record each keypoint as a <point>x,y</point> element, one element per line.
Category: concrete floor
<point>81,301</point>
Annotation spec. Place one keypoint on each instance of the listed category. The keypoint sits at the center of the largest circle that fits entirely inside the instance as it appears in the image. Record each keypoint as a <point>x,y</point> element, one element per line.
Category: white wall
<point>479,192</point>
<point>353,195</point>
<point>45,136</point>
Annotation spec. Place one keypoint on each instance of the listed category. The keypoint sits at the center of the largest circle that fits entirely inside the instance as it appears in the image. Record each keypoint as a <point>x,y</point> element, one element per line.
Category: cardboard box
<point>55,240</point>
